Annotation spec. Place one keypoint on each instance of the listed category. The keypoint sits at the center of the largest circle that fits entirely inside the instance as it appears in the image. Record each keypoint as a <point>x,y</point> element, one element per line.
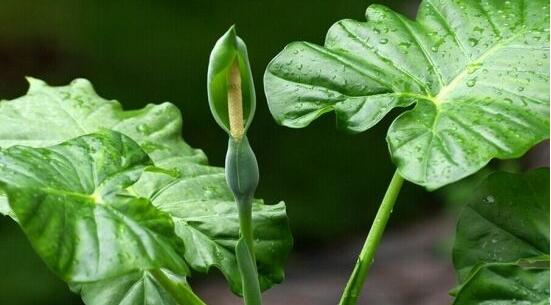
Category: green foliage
<point>501,251</point>
<point>477,72</point>
<point>505,284</point>
<point>134,226</point>
<point>74,194</point>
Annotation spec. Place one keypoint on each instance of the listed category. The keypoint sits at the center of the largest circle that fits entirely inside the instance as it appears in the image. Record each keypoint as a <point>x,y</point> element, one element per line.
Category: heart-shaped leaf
<point>478,72</point>
<point>501,251</point>
<point>194,195</point>
<point>50,115</point>
<point>72,203</point>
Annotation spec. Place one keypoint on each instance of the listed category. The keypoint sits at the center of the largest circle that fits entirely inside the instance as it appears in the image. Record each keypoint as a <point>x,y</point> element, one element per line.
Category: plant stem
<point>246,225</point>
<point>245,256</point>
<point>365,260</point>
<point>181,292</point>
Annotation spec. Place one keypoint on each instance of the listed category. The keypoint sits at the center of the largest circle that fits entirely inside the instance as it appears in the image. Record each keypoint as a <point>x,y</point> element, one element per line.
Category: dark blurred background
<point>144,51</point>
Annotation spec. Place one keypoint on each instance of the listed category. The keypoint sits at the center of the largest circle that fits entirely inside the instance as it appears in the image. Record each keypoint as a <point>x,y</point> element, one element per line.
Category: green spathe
<point>476,71</point>
<point>228,49</point>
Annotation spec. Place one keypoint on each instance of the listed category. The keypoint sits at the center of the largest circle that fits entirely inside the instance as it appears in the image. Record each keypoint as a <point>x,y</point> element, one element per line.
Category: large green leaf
<point>501,251</point>
<point>477,72</point>
<point>50,115</point>
<point>71,202</point>
<point>195,197</point>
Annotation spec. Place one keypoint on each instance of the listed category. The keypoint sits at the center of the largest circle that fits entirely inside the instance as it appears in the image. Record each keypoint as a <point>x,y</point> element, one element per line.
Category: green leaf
<point>477,72</point>
<point>501,251</point>
<point>50,115</point>
<point>229,48</point>
<point>71,203</point>
<point>136,288</point>
<point>506,221</point>
<point>194,195</point>
<point>504,284</point>
<point>47,116</point>
<point>205,215</point>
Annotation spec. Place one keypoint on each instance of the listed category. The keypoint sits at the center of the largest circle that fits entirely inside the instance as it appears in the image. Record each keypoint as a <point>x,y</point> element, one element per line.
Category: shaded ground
<point>412,267</point>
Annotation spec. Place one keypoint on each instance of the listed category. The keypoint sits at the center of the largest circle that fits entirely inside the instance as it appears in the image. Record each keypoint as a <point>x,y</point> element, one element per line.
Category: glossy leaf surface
<point>504,284</point>
<point>71,203</point>
<point>477,72</point>
<point>49,115</point>
<point>135,288</point>
<point>506,221</point>
<point>194,195</point>
<point>501,250</point>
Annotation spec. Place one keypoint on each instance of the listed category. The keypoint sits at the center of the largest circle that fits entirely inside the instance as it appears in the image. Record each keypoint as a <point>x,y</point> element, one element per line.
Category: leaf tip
<point>34,83</point>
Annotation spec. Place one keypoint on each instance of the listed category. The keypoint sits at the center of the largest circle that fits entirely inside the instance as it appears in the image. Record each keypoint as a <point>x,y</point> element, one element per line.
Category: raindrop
<point>489,199</point>
<point>383,41</point>
<point>405,44</point>
<point>471,82</point>
<point>472,68</point>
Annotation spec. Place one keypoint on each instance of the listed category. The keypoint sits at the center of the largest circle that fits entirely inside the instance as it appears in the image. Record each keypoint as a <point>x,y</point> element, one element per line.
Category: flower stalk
<point>232,102</point>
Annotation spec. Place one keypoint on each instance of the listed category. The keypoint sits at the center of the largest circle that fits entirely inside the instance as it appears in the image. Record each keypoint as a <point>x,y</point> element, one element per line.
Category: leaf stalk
<point>365,259</point>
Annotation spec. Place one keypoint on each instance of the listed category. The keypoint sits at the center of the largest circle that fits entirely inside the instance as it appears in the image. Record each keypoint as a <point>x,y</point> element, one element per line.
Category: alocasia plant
<point>131,207</point>
<point>501,250</point>
<point>477,73</point>
<point>232,102</point>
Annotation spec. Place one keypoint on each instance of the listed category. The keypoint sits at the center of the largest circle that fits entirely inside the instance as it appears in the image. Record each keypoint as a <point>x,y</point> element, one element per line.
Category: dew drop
<point>489,199</point>
<point>472,68</point>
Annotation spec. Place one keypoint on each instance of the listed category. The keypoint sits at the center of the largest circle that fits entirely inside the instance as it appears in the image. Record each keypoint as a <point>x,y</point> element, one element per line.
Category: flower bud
<point>230,85</point>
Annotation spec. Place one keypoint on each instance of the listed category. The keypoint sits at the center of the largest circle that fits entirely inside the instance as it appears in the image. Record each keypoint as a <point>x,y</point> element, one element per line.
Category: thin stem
<point>181,292</point>
<point>365,260</point>
<point>246,225</point>
<point>247,261</point>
